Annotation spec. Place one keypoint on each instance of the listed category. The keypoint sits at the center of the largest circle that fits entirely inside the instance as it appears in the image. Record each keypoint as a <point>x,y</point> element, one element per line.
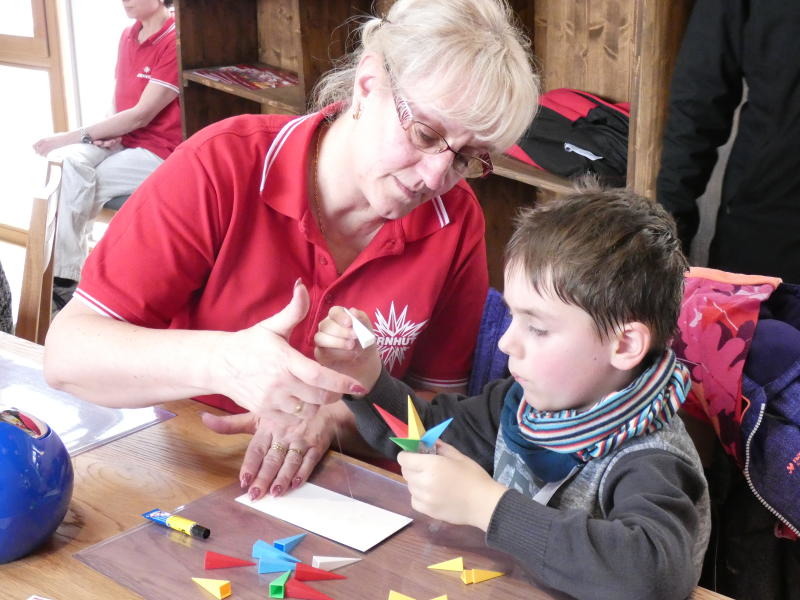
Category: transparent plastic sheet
<point>81,425</point>
<point>159,563</point>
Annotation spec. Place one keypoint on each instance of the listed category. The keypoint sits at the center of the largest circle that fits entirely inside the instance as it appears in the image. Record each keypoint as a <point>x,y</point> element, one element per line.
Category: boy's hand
<point>337,347</point>
<point>450,487</point>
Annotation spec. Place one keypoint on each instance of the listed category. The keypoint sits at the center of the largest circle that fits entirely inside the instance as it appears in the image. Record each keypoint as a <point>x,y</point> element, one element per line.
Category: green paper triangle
<point>406,444</point>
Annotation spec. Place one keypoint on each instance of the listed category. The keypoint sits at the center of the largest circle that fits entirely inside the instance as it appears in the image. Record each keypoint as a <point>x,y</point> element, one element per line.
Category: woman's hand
<point>279,457</point>
<point>46,145</point>
<point>114,143</point>
<point>337,347</point>
<point>261,372</point>
<point>450,487</point>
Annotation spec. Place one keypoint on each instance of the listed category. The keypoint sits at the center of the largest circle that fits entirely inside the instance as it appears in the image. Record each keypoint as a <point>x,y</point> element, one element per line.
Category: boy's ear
<point>630,345</point>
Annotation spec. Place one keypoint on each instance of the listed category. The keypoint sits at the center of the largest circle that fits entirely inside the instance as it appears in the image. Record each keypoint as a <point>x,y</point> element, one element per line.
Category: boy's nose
<point>505,343</point>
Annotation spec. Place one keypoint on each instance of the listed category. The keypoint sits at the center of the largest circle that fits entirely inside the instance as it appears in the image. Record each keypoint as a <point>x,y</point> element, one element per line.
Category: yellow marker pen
<point>177,523</point>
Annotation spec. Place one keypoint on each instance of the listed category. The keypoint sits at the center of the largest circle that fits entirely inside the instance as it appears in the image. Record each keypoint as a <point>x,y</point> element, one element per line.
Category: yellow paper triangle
<point>479,575</point>
<point>415,428</point>
<point>398,596</point>
<point>219,588</point>
<point>454,564</point>
<point>468,576</point>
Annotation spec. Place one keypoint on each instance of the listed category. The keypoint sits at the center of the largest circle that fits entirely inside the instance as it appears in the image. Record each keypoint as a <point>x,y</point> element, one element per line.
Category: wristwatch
<point>85,137</point>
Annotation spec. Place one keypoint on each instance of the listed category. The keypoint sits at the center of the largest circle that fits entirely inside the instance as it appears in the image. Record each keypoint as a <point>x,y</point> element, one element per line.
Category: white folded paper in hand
<point>365,337</point>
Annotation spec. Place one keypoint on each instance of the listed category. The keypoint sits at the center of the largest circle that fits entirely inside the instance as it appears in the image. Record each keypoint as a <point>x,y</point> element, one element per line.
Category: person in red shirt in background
<point>112,157</point>
<point>212,282</point>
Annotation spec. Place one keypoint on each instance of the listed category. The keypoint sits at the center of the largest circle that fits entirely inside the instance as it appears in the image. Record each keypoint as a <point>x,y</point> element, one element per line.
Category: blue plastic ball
<point>36,480</point>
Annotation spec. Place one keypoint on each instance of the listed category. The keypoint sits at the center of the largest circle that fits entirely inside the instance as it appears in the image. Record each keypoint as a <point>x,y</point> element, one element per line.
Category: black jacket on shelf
<point>728,42</point>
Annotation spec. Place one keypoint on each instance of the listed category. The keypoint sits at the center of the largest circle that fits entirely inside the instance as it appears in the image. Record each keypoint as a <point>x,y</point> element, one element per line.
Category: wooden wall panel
<point>279,34</point>
<point>610,49</point>
<point>211,33</point>
<point>209,105</point>
<point>586,44</point>
<point>501,199</point>
<point>325,29</point>
<point>659,31</point>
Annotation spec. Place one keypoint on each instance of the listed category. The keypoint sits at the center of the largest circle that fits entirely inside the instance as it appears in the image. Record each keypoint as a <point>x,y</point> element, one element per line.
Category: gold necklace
<point>315,195</point>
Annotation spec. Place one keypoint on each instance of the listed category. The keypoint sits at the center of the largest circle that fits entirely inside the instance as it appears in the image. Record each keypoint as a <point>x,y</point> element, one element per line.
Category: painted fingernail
<point>357,389</point>
<point>296,482</point>
<point>254,493</point>
<point>247,478</point>
<point>276,490</point>
<point>299,282</point>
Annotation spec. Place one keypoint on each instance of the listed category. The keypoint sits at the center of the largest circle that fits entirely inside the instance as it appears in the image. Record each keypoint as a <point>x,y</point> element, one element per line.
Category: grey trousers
<point>91,176</point>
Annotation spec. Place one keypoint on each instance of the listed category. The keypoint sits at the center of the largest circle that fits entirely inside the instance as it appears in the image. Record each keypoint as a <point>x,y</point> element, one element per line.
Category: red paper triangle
<point>298,589</point>
<point>399,428</point>
<point>214,560</point>
<point>304,572</point>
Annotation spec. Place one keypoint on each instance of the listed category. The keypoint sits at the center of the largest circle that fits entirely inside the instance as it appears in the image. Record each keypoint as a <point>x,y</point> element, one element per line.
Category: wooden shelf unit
<point>622,50</point>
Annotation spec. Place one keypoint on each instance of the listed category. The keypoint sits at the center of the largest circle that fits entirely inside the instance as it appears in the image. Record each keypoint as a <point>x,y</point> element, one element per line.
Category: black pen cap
<point>199,531</point>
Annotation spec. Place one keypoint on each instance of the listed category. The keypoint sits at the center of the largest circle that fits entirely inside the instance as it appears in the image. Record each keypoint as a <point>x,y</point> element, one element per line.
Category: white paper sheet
<point>332,515</point>
<point>81,425</point>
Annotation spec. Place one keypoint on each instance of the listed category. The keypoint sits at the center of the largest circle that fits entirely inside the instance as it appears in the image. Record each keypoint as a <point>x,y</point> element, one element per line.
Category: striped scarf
<point>643,407</point>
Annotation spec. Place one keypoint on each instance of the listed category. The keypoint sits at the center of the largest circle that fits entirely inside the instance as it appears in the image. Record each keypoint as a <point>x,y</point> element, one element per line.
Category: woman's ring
<point>279,448</point>
<point>296,451</point>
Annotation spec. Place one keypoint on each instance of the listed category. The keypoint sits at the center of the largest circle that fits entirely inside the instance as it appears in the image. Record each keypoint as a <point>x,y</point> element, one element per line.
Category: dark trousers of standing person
<point>745,560</point>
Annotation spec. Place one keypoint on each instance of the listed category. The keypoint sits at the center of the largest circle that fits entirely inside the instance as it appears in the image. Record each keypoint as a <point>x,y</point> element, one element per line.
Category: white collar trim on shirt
<point>276,146</point>
<point>169,29</point>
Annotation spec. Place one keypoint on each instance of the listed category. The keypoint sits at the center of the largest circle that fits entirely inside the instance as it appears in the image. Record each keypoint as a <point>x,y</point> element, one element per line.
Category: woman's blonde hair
<point>463,59</point>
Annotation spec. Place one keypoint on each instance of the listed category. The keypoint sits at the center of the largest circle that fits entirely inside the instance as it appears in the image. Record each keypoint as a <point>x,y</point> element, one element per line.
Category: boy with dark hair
<point>578,464</point>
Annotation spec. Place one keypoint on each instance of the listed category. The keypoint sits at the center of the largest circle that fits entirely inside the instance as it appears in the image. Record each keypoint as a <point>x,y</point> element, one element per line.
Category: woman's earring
<point>357,112</point>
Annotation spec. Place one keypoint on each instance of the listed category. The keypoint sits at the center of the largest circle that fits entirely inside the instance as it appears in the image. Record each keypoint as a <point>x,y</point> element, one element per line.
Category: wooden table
<point>166,465</point>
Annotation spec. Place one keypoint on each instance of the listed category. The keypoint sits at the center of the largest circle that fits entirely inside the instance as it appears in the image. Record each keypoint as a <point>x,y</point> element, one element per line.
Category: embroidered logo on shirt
<point>395,335</point>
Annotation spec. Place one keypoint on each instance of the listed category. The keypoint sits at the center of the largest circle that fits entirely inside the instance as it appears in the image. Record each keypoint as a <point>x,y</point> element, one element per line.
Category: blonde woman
<point>213,285</point>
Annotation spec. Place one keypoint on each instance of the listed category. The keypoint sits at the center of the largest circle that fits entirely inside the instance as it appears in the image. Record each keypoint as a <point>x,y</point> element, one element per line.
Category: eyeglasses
<point>425,138</point>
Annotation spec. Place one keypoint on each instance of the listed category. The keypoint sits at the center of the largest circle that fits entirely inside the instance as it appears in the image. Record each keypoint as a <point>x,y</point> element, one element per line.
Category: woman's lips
<point>415,197</point>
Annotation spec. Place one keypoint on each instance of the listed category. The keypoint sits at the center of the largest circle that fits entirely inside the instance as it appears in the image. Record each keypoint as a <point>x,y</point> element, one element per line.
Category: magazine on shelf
<point>251,76</point>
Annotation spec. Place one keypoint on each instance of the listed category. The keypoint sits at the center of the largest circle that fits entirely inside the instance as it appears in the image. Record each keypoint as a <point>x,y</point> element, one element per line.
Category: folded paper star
<point>413,437</point>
